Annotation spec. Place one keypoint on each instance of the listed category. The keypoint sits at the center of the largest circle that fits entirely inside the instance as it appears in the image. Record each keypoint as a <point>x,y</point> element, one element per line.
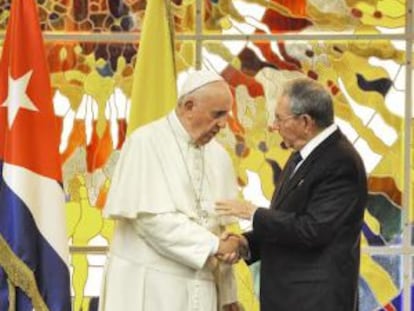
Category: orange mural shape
<point>100,148</point>
<point>386,186</point>
<point>77,138</point>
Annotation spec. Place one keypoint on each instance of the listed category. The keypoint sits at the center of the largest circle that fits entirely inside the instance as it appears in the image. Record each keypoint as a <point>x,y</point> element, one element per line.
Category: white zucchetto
<point>197,79</point>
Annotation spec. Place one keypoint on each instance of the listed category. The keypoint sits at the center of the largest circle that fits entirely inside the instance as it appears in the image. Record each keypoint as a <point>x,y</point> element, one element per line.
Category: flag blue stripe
<point>22,301</point>
<point>18,228</point>
<point>3,291</point>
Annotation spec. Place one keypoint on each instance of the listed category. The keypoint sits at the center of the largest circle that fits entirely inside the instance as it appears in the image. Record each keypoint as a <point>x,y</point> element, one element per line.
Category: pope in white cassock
<point>163,255</point>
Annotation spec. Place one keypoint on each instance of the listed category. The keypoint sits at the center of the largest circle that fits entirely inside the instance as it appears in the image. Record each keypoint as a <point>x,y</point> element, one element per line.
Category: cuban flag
<point>34,272</point>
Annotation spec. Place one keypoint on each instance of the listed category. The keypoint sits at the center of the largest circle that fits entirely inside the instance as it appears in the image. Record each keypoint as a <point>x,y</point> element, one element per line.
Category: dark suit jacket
<point>308,241</point>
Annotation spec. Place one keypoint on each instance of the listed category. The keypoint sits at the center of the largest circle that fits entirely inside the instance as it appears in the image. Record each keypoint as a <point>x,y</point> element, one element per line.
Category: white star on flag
<point>17,96</point>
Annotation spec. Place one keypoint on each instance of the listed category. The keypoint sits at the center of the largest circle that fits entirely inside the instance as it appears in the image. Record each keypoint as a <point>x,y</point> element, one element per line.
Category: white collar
<point>317,140</point>
<point>179,129</point>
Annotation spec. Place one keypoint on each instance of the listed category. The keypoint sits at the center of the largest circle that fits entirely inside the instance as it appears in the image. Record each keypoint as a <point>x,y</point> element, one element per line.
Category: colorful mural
<point>357,49</point>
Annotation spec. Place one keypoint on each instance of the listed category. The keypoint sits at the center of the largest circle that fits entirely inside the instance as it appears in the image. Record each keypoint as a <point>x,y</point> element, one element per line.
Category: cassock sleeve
<point>177,237</point>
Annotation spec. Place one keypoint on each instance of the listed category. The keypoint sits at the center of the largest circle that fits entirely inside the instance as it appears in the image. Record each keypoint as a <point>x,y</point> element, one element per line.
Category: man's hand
<point>228,244</point>
<point>238,208</point>
<point>233,255</point>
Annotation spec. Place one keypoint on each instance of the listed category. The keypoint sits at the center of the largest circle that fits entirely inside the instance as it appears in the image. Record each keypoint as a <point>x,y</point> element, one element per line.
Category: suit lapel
<point>288,184</point>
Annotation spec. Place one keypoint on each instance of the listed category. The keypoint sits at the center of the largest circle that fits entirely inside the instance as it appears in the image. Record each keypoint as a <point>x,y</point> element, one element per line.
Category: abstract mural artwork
<point>357,49</point>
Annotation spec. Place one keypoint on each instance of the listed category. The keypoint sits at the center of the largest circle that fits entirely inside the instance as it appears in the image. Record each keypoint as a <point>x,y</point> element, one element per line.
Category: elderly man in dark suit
<point>308,241</point>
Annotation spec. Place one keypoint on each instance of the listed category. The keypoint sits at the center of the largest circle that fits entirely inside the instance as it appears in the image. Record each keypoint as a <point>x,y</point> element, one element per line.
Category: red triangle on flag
<point>29,135</point>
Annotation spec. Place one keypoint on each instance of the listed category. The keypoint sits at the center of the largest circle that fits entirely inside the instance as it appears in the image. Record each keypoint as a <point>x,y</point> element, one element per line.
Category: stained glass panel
<point>99,15</point>
<point>355,48</point>
<point>380,285</point>
<point>312,16</point>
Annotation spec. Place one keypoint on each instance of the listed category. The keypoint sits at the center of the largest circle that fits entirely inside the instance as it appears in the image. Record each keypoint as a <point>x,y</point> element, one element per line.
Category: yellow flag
<point>154,91</point>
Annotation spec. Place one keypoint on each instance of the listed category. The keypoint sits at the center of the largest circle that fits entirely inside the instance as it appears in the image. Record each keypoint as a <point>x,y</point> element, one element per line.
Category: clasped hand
<point>231,247</point>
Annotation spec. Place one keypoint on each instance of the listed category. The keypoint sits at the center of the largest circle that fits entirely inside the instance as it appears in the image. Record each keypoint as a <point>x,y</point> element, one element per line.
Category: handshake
<point>232,247</point>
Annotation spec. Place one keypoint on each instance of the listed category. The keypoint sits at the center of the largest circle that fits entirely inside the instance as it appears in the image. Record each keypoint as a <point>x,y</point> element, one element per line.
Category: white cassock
<point>160,255</point>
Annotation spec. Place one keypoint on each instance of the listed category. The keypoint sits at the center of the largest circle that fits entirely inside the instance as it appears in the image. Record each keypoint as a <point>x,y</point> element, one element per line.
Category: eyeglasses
<point>279,120</point>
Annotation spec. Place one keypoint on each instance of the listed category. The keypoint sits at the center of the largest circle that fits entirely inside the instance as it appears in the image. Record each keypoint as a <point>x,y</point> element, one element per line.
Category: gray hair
<point>307,96</point>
